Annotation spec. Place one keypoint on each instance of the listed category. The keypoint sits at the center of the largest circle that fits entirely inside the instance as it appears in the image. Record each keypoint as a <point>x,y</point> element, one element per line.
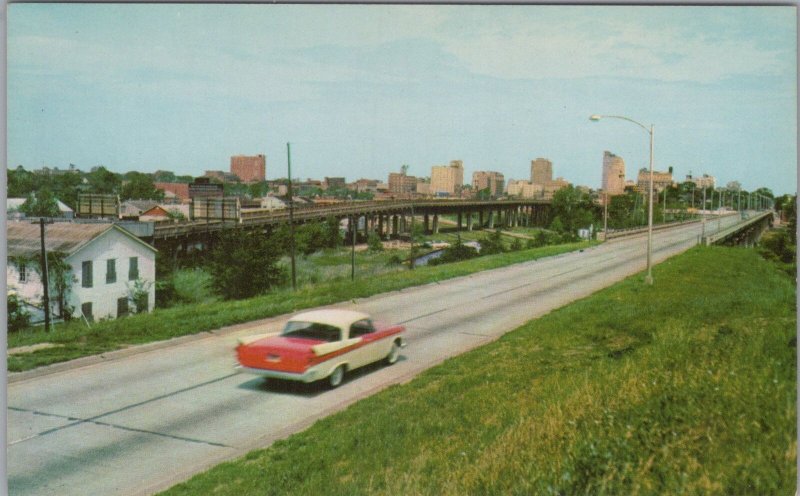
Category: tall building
<point>447,180</point>
<point>249,168</point>
<point>494,181</point>
<point>401,184</point>
<point>541,171</point>
<point>705,181</point>
<point>613,174</point>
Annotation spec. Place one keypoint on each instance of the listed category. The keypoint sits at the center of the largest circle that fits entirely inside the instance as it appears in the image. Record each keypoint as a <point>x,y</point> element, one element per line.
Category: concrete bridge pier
<point>459,221</point>
<point>427,224</point>
<point>435,223</point>
<point>395,226</point>
<point>380,225</point>
<point>469,221</point>
<point>480,219</point>
<point>491,219</point>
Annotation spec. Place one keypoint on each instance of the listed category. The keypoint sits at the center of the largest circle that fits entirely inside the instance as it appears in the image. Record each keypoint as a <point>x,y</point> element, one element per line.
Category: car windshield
<point>311,330</point>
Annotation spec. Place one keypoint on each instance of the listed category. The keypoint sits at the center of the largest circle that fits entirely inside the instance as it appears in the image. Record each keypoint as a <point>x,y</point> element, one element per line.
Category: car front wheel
<point>394,354</point>
<point>335,379</point>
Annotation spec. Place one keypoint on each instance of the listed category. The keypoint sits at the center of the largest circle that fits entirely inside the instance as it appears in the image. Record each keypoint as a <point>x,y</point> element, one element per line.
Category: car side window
<point>361,327</point>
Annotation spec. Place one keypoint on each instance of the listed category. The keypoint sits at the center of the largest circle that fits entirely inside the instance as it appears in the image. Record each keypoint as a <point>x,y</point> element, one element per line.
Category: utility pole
<point>291,217</point>
<point>354,228</point>
<point>704,212</point>
<point>45,278</point>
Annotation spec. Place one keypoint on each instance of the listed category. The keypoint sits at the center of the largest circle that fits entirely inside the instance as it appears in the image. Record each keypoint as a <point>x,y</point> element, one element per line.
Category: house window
<point>122,307</point>
<point>23,272</point>
<point>111,270</point>
<point>86,310</point>
<point>86,274</point>
<point>133,269</point>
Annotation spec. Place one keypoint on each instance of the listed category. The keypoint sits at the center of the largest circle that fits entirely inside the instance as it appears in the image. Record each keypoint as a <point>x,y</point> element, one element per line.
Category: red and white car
<point>320,344</point>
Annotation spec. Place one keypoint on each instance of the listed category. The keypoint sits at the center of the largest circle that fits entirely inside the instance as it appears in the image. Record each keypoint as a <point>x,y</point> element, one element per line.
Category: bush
<point>374,242</point>
<point>193,286</point>
<point>18,316</point>
<point>492,243</point>
<point>455,253</point>
<point>245,264</point>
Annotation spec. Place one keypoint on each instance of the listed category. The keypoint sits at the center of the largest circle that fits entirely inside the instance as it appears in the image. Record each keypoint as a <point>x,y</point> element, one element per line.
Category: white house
<point>106,266</point>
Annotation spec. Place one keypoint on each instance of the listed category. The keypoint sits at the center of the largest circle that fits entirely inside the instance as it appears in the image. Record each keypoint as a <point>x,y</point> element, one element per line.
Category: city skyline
<point>361,90</point>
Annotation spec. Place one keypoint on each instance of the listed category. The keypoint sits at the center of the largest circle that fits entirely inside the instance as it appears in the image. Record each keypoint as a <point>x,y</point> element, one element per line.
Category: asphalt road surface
<point>142,423</point>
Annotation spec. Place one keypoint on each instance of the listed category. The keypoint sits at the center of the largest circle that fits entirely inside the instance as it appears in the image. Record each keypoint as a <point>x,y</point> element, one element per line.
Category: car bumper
<point>310,375</point>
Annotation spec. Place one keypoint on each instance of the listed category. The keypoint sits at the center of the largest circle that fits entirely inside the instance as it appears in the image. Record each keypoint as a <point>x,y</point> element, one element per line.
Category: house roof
<point>65,237</point>
<point>15,203</point>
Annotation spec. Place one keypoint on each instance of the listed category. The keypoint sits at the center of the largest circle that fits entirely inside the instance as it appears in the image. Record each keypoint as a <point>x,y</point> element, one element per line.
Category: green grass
<point>685,387</point>
<point>182,320</point>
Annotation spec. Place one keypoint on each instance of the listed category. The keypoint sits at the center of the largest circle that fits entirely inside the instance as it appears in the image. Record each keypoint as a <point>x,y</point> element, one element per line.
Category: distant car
<point>322,344</point>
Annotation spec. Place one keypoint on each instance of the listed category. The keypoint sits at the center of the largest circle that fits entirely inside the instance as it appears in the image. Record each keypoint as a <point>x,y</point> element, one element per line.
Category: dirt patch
<point>34,347</point>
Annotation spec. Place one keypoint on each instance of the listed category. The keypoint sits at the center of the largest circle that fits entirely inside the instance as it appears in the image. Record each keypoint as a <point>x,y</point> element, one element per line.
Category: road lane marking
<point>94,420</point>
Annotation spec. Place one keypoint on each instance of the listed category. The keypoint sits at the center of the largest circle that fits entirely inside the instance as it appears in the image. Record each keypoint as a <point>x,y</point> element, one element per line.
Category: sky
<point>360,90</point>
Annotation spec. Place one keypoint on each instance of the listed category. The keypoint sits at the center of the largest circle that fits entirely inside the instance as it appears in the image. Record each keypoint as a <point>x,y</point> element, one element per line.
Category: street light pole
<point>651,131</point>
<point>291,217</point>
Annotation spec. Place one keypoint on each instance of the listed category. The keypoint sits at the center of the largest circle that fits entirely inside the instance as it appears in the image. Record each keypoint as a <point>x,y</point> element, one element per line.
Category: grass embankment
<point>685,387</point>
<point>75,340</point>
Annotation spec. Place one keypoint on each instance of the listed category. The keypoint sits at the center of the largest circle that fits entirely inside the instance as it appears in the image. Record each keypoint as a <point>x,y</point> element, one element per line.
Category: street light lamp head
<point>595,117</point>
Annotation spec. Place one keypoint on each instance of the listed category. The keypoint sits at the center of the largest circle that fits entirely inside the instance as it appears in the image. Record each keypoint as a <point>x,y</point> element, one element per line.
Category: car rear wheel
<point>336,378</point>
<point>394,354</point>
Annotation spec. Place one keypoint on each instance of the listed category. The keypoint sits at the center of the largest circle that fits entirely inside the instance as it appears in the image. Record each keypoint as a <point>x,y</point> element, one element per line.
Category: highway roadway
<point>141,423</point>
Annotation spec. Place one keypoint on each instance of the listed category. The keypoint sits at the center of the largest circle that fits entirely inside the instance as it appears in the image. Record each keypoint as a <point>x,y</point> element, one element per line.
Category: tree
<point>20,182</point>
<point>332,234</point>
<point>574,209</point>
<point>103,181</point>
<point>493,243</point>
<point>245,264</point>
<point>374,242</point>
<point>43,204</point>
<point>140,186</point>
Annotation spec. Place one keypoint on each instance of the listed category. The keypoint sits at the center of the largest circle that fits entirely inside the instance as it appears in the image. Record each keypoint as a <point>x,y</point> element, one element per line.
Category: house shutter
<point>133,269</point>
<point>86,274</point>
<point>111,271</point>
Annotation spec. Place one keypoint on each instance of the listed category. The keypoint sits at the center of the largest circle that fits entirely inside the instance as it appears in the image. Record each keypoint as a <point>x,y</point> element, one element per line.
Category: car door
<point>368,350</point>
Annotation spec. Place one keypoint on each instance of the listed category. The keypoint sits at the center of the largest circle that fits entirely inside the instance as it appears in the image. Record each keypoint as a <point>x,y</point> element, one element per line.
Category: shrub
<point>193,286</point>
<point>374,242</point>
<point>18,316</point>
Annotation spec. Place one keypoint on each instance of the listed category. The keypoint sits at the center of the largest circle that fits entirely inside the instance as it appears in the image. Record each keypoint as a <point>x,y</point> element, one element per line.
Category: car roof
<point>339,318</point>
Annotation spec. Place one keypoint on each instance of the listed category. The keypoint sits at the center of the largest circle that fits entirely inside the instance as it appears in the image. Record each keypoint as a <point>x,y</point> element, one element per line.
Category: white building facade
<point>108,268</point>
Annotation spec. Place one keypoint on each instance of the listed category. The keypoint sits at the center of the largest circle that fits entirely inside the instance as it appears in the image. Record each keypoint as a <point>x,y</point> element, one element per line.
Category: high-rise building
<point>541,171</point>
<point>447,180</point>
<point>249,168</point>
<point>493,181</point>
<point>613,174</point>
<point>401,184</point>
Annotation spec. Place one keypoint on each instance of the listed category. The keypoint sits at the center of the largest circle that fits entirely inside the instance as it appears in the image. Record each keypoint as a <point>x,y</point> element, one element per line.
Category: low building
<point>661,180</point>
<point>108,273</point>
<point>335,183</point>
<point>174,190</point>
<point>13,206</point>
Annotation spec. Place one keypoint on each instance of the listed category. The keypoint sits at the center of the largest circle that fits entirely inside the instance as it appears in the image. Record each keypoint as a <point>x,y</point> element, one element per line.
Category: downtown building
<point>447,180</point>
<point>661,180</point>
<point>493,181</point>
<point>613,174</point>
<point>402,184</point>
<point>541,171</point>
<point>249,168</point>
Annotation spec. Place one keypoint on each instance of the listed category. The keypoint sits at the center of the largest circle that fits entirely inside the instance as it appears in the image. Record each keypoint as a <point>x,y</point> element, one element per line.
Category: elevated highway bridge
<point>390,218</point>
